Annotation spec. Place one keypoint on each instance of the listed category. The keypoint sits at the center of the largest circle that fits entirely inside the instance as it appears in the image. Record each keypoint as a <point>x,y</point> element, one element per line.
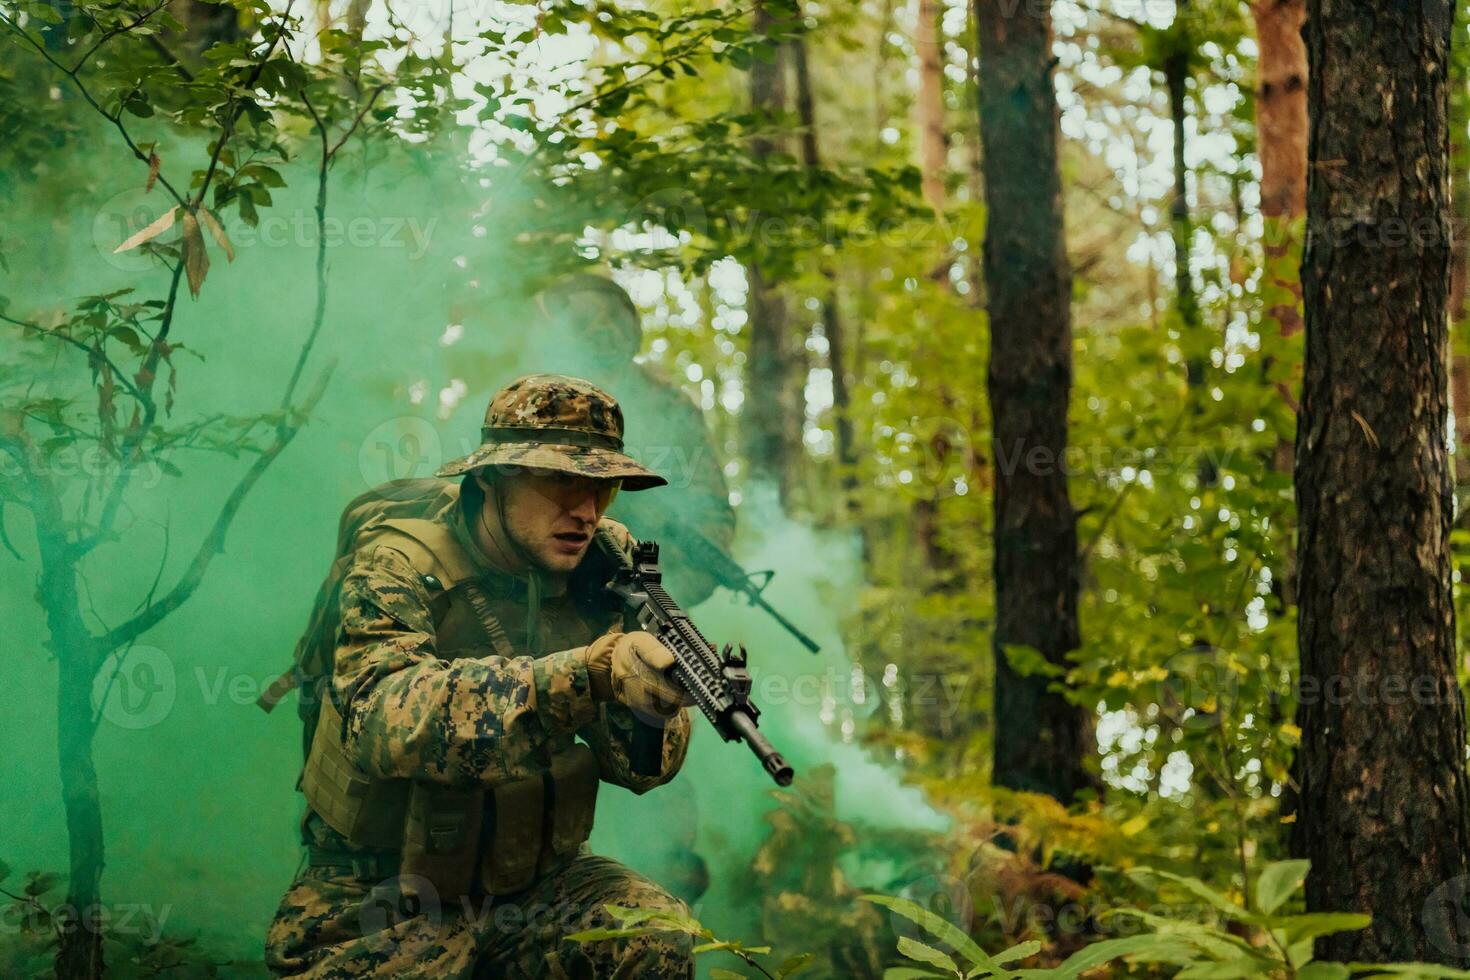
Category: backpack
<point>311,664</point>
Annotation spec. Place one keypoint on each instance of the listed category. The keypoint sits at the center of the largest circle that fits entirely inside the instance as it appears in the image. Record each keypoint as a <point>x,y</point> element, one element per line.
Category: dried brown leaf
<point>218,231</point>
<point>153,164</point>
<point>160,225</point>
<point>196,257</point>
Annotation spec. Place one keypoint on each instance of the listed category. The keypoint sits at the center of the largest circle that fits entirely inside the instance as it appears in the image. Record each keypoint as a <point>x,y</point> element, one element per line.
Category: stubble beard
<point>541,555</point>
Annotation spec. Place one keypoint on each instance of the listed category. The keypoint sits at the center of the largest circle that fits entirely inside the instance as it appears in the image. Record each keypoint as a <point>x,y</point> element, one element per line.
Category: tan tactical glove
<point>632,669</point>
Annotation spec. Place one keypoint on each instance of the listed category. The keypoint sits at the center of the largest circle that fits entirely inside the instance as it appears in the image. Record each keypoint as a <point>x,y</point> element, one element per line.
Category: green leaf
<point>1166,948</point>
<point>1296,928</point>
<point>1195,887</point>
<point>41,882</point>
<point>717,973</point>
<point>941,929</point>
<point>793,965</point>
<point>601,933</point>
<point>1277,883</point>
<point>1017,952</point>
<point>925,953</point>
<point>907,973</point>
<point>1411,970</point>
<point>1221,945</point>
<point>1236,969</point>
<point>1031,662</point>
<point>1323,971</point>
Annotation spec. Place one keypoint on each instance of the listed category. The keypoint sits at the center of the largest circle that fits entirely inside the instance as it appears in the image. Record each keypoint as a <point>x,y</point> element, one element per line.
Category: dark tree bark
<point>1176,81</point>
<point>1383,802</point>
<point>768,403</point>
<point>1041,740</point>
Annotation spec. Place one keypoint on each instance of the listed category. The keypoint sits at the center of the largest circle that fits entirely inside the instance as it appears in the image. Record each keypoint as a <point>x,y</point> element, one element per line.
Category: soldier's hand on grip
<point>632,669</point>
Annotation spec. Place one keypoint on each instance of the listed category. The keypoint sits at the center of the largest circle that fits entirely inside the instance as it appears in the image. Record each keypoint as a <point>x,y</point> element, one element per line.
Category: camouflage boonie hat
<point>556,422</point>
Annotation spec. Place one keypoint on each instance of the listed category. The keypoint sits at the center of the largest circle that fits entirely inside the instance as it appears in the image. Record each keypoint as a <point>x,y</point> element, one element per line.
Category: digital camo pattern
<point>332,925</point>
<point>484,719</point>
<point>557,401</point>
<point>462,717</point>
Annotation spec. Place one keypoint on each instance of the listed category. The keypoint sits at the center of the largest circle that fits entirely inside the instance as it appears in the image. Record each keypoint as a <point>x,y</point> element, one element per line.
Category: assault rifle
<point>728,573</point>
<point>718,682</point>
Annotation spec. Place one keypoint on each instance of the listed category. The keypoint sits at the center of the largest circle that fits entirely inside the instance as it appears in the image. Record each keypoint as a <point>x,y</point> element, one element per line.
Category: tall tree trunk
<point>811,157</point>
<point>1041,740</point>
<point>1176,81</point>
<point>1383,804</point>
<point>974,163</point>
<point>933,153</point>
<point>79,954</point>
<point>929,107</point>
<point>768,405</point>
<point>1281,144</point>
<point>1281,140</point>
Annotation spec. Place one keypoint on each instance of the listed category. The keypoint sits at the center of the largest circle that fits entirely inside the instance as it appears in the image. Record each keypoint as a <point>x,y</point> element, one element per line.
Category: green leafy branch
<point>647,922</point>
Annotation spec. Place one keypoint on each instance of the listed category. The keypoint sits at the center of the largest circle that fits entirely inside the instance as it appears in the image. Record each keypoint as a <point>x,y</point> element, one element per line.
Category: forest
<point>1083,384</point>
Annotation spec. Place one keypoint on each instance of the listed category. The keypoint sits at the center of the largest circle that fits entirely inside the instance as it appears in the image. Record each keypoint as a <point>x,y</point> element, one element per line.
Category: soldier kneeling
<point>466,685</point>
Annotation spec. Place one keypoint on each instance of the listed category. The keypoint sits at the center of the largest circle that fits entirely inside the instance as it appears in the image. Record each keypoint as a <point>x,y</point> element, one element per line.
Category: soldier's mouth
<point>573,537</point>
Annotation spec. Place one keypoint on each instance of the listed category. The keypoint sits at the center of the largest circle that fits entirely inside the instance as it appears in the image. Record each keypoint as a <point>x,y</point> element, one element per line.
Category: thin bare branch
<point>86,94</point>
<point>90,351</point>
<point>356,122</point>
<point>214,542</point>
<point>109,35</point>
<point>237,104</point>
<point>5,535</point>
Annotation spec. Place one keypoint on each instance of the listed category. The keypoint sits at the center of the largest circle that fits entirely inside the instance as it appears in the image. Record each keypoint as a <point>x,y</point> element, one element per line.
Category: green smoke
<point>426,318</point>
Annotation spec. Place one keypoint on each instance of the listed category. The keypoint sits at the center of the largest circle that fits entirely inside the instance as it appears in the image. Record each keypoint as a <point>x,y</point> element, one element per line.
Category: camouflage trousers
<point>333,925</point>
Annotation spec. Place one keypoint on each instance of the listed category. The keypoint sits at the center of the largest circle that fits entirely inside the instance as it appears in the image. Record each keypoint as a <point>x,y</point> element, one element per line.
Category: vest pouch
<point>508,860</point>
<point>574,782</point>
<point>368,812</point>
<point>441,837</point>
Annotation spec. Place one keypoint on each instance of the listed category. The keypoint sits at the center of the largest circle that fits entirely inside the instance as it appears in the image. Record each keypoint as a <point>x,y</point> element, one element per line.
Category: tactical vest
<point>493,838</point>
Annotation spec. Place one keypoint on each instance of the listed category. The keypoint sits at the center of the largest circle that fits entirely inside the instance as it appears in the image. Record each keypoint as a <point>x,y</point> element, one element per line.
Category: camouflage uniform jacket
<point>422,699</point>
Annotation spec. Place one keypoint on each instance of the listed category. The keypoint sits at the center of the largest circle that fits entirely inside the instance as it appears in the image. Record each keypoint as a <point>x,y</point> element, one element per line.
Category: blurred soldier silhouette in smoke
<point>591,329</point>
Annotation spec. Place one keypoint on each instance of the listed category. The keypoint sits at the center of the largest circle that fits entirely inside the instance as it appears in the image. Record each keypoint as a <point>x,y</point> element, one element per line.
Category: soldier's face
<point>552,515</point>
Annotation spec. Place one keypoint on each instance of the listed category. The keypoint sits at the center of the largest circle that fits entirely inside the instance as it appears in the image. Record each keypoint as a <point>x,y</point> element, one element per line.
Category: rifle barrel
<point>771,760</point>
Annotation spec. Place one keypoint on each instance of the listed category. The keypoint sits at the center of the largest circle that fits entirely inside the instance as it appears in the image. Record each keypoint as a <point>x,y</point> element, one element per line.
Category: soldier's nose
<point>586,509</point>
